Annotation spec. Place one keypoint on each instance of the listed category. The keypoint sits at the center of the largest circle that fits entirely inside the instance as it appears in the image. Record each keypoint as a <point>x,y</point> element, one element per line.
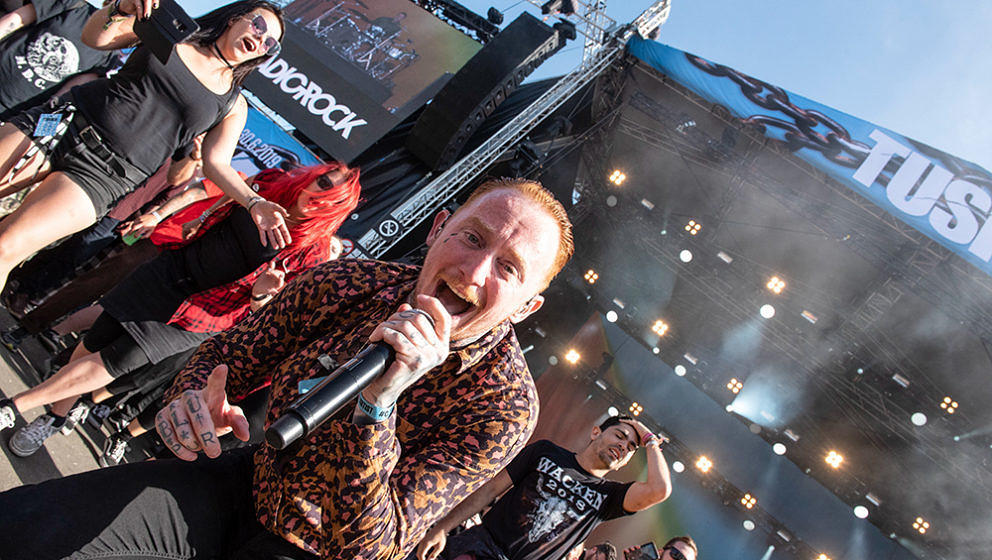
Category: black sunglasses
<point>675,553</point>
<point>259,27</point>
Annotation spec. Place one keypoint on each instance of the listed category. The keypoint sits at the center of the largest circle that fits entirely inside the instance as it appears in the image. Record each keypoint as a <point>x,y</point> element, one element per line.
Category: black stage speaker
<point>479,87</point>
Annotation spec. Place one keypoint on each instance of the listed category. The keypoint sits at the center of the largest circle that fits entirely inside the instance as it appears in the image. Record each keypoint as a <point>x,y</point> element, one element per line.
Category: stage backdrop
<point>349,71</point>
<point>263,145</point>
<point>943,197</point>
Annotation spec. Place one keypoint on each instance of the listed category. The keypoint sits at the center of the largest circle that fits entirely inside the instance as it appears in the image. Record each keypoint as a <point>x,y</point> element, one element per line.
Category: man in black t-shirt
<point>553,498</point>
<point>42,54</point>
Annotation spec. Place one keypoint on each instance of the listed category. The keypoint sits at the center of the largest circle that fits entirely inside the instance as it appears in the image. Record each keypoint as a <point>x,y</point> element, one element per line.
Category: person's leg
<point>89,286</point>
<point>13,145</point>
<point>84,373</point>
<point>154,509</point>
<point>57,208</point>
<point>50,269</point>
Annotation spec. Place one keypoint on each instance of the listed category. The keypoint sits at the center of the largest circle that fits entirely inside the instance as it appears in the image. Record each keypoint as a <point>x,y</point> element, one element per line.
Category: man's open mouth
<point>454,303</point>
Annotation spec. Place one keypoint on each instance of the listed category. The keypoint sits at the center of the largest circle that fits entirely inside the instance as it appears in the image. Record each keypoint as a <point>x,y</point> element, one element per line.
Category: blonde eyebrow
<point>514,255</point>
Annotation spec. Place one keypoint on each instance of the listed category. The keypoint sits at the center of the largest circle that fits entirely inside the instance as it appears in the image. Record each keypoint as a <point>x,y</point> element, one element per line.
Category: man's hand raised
<point>194,421</point>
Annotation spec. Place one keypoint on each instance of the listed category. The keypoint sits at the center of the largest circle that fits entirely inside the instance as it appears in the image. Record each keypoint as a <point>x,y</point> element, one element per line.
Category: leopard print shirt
<point>369,492</point>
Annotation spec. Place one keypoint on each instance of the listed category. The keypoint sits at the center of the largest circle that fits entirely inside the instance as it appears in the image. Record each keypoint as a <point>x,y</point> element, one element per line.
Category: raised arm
<point>658,486</point>
<point>112,26</point>
<point>218,149</point>
<point>19,18</point>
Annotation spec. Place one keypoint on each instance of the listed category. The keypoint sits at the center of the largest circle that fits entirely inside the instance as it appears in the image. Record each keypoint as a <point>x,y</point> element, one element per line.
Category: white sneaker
<point>113,451</point>
<point>7,417</point>
<point>76,416</point>
<point>29,439</point>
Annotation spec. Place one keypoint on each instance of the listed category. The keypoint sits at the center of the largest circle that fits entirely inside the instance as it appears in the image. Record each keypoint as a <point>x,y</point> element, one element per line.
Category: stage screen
<point>349,71</point>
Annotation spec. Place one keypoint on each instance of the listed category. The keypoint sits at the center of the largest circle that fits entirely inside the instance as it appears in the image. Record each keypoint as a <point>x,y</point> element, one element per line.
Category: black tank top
<point>147,110</point>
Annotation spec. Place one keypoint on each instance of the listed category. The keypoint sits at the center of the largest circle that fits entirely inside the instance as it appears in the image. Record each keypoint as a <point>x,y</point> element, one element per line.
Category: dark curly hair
<point>213,24</point>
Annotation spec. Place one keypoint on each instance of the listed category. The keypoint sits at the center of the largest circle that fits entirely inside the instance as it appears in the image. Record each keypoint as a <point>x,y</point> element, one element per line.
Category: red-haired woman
<point>187,295</point>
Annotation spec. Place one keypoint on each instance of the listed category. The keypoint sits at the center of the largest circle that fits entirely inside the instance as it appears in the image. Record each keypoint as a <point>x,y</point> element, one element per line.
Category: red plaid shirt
<point>220,308</point>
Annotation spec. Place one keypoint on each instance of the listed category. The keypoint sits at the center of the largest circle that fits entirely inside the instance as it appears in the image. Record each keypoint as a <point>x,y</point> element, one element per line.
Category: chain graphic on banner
<point>806,128</point>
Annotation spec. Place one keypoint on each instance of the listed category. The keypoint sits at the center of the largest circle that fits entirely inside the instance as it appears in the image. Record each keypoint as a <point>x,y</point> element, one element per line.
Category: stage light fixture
<point>558,6</point>
<point>834,459</point>
<point>861,512</point>
<point>767,311</point>
<point>655,350</point>
<point>776,284</point>
<point>553,360</point>
<point>612,316</point>
<point>822,557</point>
<point>680,370</point>
<point>635,409</point>
<point>704,464</point>
<point>678,466</point>
<point>617,177</point>
<point>494,16</point>
<point>921,525</point>
<point>791,434</point>
<point>613,412</point>
<point>808,315</point>
<point>685,255</point>
<point>572,356</point>
<point>693,227</point>
<point>779,448</point>
<point>950,406</point>
<point>748,525</point>
<point>659,328</point>
<point>918,419</point>
<point>725,257</point>
<point>591,276</point>
<point>690,358</point>
<point>729,407</point>
<point>735,386</point>
<point>748,501</point>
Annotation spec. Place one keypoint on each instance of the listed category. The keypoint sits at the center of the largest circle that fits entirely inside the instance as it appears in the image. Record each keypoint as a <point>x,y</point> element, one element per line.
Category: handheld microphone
<point>330,395</point>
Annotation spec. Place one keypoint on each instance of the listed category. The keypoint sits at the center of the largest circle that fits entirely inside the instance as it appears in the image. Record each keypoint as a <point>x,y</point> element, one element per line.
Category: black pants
<point>52,268</point>
<point>165,509</point>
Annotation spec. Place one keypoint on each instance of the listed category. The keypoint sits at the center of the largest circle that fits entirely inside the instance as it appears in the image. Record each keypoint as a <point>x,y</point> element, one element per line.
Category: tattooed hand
<point>195,420</point>
<point>420,339</point>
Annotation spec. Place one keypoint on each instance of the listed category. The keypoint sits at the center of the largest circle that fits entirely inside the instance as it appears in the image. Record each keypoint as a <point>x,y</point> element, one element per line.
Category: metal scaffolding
<point>446,184</point>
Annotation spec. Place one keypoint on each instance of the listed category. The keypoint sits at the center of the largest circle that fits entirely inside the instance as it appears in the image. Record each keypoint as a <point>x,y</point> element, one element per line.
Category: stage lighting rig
<point>558,7</point>
<point>748,501</point>
<point>704,464</point>
<point>776,285</point>
<point>693,227</point>
<point>617,177</point>
<point>494,16</point>
<point>591,276</point>
<point>949,405</point>
<point>735,386</point>
<point>921,525</point>
<point>635,409</point>
<point>659,328</point>
<point>572,356</point>
<point>834,459</point>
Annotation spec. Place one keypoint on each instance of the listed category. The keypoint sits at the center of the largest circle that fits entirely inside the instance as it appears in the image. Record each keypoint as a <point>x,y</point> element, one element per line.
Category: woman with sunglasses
<point>188,294</point>
<point>121,129</point>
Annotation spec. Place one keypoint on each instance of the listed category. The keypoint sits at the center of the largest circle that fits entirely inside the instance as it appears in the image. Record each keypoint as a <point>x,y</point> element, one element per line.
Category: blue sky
<point>920,68</point>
